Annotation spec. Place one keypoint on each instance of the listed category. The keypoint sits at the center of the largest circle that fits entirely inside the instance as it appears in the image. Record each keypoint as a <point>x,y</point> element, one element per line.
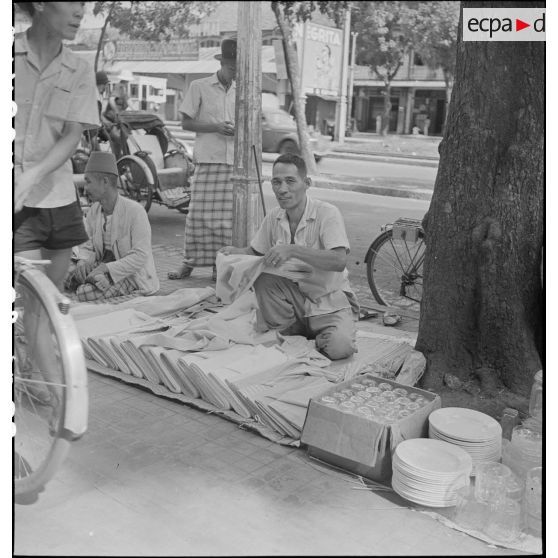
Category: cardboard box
<point>359,444</point>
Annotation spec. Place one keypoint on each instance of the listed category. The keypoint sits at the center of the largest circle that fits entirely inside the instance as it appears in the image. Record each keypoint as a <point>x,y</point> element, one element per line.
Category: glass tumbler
<point>468,513</point>
<point>504,521</point>
<point>491,480</point>
<point>532,500</point>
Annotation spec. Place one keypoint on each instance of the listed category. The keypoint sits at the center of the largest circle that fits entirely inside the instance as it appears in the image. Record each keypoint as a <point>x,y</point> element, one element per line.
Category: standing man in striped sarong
<point>208,110</point>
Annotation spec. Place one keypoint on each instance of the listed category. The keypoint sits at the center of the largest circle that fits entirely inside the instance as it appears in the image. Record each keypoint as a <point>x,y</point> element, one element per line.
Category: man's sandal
<point>183,273</point>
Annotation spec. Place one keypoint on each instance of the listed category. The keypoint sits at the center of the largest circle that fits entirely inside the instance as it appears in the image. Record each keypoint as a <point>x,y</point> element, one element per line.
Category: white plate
<point>429,489</point>
<point>433,456</point>
<point>433,503</point>
<point>433,433</point>
<point>465,424</point>
<point>427,476</point>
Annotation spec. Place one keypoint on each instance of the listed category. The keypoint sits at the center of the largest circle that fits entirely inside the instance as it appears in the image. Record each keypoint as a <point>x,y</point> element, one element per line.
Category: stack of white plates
<point>477,433</point>
<point>430,472</point>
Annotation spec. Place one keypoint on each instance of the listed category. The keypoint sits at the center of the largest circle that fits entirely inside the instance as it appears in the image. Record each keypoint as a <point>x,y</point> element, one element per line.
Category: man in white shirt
<point>208,109</point>
<point>311,231</point>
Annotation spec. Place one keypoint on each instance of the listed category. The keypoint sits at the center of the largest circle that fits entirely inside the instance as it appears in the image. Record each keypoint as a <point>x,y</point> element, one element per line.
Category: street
<point>364,215</point>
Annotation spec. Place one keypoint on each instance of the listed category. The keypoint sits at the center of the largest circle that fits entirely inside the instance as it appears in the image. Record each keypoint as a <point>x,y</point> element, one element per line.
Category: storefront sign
<point>322,57</point>
<point>184,49</point>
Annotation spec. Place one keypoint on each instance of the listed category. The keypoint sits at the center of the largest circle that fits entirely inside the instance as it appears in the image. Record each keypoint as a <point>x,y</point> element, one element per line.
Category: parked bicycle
<point>50,380</point>
<point>394,263</point>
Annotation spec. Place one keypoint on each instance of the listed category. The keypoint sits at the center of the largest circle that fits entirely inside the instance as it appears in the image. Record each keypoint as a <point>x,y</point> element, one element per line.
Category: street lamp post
<point>354,35</point>
<point>342,105</point>
<point>247,208</point>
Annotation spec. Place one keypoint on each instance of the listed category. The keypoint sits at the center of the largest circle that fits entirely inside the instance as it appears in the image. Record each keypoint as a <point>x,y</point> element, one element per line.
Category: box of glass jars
<point>357,424</point>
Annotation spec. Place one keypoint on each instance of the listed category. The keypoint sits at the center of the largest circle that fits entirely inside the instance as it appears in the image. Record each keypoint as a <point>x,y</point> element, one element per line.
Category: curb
<point>385,158</point>
<point>411,193</point>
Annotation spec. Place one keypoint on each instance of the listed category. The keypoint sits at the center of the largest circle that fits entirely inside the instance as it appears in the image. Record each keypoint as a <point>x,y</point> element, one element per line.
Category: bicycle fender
<point>144,166</point>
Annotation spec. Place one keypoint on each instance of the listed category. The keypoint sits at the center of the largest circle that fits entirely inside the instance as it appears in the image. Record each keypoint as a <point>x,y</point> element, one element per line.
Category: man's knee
<point>335,343</point>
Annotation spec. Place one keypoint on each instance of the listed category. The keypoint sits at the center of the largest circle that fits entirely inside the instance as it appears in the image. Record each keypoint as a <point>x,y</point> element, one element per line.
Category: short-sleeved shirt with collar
<point>207,101</point>
<point>64,91</point>
<point>322,228</point>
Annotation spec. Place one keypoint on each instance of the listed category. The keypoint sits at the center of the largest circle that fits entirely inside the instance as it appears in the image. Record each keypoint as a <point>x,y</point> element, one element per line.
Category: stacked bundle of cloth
<point>219,358</point>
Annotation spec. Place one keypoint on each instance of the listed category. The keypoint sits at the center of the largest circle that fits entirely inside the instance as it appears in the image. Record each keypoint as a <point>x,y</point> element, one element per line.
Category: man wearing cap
<point>208,109</point>
<point>117,260</point>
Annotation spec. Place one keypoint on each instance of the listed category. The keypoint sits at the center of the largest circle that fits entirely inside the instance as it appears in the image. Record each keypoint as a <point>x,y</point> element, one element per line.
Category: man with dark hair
<point>311,231</point>
<point>117,260</point>
<point>208,109</point>
<point>55,95</point>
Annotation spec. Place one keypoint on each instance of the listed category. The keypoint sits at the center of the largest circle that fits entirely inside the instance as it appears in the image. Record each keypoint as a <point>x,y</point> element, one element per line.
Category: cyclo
<point>153,165</point>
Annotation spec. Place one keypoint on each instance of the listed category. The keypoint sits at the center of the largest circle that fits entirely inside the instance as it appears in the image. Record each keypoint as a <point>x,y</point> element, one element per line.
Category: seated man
<point>312,231</point>
<point>117,259</point>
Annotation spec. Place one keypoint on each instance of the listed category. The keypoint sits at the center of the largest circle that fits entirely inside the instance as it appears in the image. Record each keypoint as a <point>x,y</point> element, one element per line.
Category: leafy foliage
<point>434,34</point>
<point>155,21</point>
<point>383,38</point>
<point>302,11</point>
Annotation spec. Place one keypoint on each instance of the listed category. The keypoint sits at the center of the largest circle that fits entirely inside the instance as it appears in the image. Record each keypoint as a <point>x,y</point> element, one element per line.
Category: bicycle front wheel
<point>394,270</point>
<point>50,383</point>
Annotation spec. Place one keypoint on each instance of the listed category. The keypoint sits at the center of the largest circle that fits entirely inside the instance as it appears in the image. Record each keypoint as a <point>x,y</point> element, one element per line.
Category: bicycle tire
<point>137,186</point>
<point>44,432</point>
<point>388,262</point>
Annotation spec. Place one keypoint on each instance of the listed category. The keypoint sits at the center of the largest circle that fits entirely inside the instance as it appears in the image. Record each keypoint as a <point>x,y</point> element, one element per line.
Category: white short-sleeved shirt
<point>322,228</point>
<point>65,91</point>
<point>207,101</point>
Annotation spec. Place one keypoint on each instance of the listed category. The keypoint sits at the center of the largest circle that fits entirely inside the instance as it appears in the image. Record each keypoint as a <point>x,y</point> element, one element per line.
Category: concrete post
<point>341,112</point>
<point>247,207</point>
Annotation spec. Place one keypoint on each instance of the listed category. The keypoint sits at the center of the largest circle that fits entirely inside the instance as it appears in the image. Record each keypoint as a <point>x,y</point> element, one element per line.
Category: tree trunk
<point>293,71</point>
<point>102,36</point>
<point>387,108</point>
<point>448,79</point>
<point>481,312</point>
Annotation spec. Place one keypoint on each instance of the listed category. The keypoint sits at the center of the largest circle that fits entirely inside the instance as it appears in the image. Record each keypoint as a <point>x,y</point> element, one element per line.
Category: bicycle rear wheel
<point>50,383</point>
<point>394,269</point>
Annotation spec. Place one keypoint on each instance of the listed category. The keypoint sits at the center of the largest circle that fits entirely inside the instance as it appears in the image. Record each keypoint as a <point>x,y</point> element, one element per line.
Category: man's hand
<point>101,282</point>
<point>226,128</point>
<point>23,186</point>
<point>101,269</point>
<point>278,255</point>
<point>231,250</point>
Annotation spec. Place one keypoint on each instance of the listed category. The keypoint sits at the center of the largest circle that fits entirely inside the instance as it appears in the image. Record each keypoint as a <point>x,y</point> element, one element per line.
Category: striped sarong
<point>209,220</point>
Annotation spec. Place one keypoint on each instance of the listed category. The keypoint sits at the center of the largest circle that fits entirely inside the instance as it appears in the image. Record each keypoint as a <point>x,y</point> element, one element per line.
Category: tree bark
<point>387,108</point>
<point>448,80</point>
<point>481,312</point>
<point>293,72</point>
<point>102,36</point>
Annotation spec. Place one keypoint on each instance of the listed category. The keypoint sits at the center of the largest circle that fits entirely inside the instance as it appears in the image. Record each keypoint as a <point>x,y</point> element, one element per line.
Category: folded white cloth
<point>236,273</point>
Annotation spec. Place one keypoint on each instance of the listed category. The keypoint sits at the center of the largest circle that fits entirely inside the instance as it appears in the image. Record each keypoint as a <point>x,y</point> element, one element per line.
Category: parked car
<point>279,134</point>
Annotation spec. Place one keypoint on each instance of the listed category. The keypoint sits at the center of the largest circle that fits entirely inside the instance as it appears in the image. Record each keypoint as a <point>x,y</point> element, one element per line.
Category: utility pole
<point>354,35</point>
<point>247,207</point>
<point>342,106</point>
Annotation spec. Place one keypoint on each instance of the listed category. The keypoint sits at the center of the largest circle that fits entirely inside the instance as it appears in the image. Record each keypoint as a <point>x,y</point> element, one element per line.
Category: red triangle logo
<point>519,25</point>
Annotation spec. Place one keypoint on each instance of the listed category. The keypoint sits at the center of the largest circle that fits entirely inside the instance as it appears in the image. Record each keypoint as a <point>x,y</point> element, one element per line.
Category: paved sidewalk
<point>154,477</point>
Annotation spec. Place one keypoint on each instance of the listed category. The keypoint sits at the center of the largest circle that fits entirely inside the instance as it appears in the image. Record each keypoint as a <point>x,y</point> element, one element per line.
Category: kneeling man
<point>312,231</point>
<point>117,260</point>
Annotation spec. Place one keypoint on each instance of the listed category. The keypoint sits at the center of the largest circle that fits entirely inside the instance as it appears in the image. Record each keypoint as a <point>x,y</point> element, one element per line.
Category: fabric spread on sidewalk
<point>265,380</point>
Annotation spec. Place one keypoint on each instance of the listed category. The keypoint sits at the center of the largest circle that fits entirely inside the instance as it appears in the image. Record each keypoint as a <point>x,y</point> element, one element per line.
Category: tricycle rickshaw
<point>153,165</point>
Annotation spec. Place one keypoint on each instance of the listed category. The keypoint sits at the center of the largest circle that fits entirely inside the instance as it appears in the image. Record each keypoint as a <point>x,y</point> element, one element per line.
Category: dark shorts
<point>54,228</point>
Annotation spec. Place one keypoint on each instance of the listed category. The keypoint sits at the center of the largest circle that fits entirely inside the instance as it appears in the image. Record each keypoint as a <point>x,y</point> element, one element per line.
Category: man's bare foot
<point>182,273</point>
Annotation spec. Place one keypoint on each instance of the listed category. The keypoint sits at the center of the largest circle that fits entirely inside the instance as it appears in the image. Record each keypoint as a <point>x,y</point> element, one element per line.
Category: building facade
<point>418,99</point>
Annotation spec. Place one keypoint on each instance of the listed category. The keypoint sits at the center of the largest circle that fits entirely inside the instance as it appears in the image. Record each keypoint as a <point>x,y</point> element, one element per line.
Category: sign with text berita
<point>320,56</point>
